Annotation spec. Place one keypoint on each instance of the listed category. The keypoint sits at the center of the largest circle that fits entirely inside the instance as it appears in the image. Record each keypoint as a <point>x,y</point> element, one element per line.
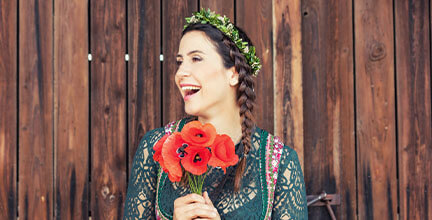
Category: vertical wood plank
<point>222,7</point>
<point>71,109</point>
<point>376,145</point>
<point>255,18</point>
<point>36,110</point>
<point>287,59</point>
<point>144,70</point>
<point>414,108</point>
<point>174,13</point>
<point>328,79</point>
<point>108,109</point>
<point>8,104</point>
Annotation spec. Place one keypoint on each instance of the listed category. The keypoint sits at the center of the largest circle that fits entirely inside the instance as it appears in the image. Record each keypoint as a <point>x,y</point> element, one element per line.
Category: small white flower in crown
<point>230,27</point>
<point>194,19</point>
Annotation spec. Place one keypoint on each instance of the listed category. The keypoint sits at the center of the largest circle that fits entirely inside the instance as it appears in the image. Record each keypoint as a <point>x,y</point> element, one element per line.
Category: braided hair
<point>232,56</point>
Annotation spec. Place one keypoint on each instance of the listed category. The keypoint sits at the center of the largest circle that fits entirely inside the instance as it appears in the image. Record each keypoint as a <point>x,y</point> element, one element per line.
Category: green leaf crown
<point>224,24</point>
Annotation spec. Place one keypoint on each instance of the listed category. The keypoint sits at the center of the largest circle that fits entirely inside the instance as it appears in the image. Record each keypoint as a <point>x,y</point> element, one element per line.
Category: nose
<point>183,71</point>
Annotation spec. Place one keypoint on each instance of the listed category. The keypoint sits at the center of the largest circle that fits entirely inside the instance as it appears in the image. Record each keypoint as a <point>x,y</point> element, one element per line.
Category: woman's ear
<point>233,76</point>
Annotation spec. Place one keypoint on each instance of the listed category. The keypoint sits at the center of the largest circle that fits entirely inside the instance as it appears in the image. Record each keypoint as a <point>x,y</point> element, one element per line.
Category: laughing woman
<point>216,65</point>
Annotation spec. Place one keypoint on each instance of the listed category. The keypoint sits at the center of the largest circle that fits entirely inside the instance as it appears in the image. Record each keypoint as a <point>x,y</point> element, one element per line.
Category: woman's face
<point>204,83</point>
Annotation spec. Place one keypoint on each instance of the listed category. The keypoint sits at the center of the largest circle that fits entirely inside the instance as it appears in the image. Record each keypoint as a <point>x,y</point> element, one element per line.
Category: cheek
<point>217,82</point>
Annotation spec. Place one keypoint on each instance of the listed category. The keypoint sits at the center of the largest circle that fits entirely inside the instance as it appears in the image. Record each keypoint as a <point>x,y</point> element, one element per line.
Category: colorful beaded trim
<point>273,152</point>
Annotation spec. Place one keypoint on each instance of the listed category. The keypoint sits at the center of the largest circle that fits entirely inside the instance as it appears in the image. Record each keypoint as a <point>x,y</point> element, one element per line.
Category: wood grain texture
<point>287,62</point>
<point>174,13</point>
<point>144,104</point>
<point>328,81</point>
<point>376,131</point>
<point>8,106</point>
<point>108,109</point>
<point>414,108</point>
<point>71,109</point>
<point>222,7</point>
<point>36,110</point>
<point>255,18</point>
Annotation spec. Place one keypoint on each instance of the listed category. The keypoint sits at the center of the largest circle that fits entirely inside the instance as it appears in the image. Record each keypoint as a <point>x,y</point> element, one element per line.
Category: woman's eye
<point>196,59</point>
<point>179,62</point>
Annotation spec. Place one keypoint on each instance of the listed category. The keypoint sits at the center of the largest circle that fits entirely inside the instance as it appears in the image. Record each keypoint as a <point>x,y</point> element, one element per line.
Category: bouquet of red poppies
<point>192,151</point>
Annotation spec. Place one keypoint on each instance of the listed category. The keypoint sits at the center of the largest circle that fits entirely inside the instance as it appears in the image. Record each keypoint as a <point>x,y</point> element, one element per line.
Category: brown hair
<point>232,56</point>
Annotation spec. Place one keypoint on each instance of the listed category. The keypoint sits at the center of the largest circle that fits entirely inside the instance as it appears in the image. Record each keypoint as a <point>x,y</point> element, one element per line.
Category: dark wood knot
<point>105,191</point>
<point>377,51</point>
<point>107,110</point>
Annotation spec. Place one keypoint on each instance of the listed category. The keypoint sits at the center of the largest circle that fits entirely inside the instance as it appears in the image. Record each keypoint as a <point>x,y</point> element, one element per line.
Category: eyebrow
<point>191,52</point>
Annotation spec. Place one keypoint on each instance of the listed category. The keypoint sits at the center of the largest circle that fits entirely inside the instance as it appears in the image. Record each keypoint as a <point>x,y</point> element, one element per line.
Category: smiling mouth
<point>190,91</point>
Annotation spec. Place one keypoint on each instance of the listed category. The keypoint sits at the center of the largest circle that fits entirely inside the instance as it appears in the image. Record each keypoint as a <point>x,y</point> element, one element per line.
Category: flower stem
<point>196,182</point>
<point>192,184</point>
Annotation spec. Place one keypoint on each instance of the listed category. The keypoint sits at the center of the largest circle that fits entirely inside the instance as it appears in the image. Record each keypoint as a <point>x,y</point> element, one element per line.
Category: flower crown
<point>224,24</point>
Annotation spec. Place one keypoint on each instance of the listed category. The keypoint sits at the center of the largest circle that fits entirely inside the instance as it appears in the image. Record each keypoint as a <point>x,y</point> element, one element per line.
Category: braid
<point>246,100</point>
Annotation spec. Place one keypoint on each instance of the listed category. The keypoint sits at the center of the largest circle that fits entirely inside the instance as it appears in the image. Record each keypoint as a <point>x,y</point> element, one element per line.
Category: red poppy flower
<point>198,134</point>
<point>157,156</point>
<point>172,153</point>
<point>223,152</point>
<point>196,159</point>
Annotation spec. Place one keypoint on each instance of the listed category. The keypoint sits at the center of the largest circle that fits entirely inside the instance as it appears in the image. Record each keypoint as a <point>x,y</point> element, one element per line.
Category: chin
<point>190,110</point>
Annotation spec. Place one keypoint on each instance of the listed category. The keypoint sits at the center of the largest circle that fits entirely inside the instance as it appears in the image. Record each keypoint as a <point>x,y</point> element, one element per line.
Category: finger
<point>207,199</point>
<point>188,199</point>
<point>196,206</point>
<point>195,212</point>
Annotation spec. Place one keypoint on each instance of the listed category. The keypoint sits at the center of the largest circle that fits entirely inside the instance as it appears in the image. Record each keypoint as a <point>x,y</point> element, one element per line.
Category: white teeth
<point>187,88</point>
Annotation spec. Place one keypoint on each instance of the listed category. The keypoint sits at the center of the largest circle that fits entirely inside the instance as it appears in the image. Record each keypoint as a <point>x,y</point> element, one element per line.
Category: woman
<point>216,65</point>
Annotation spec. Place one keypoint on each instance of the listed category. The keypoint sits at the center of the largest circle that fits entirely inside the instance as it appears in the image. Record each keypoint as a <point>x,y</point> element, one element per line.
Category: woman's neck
<point>226,122</point>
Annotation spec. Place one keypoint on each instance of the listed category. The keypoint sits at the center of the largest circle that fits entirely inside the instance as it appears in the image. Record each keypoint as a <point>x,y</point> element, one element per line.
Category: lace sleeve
<point>290,193</point>
<point>141,191</point>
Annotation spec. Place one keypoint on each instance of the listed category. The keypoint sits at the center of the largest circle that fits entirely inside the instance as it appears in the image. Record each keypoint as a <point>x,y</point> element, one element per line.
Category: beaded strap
<point>273,152</point>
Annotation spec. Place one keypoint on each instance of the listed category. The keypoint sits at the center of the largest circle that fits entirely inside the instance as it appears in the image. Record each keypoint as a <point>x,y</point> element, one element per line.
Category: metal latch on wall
<point>326,200</point>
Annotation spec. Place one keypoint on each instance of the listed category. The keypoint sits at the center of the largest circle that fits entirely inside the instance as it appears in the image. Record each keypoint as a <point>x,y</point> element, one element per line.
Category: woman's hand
<point>194,206</point>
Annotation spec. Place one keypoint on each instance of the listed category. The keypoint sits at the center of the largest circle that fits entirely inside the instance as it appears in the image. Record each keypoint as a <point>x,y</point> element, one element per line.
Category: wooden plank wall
<point>376,122</point>
<point>287,63</point>
<point>328,89</point>
<point>71,110</point>
<point>108,115</point>
<point>347,84</point>
<point>8,99</point>
<point>413,89</point>
<point>35,113</point>
<point>144,70</point>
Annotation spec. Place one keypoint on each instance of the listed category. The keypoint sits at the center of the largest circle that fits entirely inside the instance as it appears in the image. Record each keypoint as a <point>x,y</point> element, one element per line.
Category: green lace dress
<point>151,194</point>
